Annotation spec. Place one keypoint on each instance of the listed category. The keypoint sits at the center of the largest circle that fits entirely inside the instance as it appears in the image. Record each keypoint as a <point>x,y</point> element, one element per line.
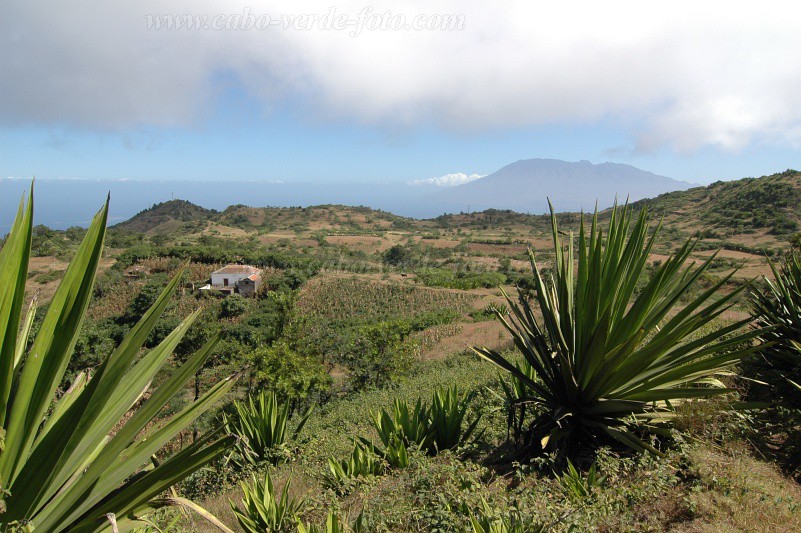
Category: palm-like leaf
<point>604,359</point>
<point>74,469</point>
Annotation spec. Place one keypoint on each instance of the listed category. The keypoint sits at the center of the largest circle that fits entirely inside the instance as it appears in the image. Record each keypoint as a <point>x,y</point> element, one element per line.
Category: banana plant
<point>606,362</point>
<point>80,460</point>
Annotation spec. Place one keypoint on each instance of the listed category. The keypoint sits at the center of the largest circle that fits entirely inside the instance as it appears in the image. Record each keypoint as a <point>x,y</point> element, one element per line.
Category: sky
<point>431,93</point>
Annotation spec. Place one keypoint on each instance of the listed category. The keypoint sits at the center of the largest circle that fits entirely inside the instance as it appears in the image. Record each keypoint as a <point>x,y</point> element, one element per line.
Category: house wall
<point>248,287</point>
<point>217,279</point>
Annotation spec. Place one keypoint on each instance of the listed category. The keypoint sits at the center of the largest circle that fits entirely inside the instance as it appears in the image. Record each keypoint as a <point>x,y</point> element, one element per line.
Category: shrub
<point>442,277</point>
<point>232,306</point>
<point>379,354</point>
<point>76,462</point>
<point>291,376</point>
<point>607,363</point>
<point>263,510</point>
<point>401,256</point>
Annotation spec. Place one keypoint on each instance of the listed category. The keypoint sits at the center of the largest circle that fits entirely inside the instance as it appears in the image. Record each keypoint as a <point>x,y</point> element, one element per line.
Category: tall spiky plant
<point>68,462</point>
<point>262,425</point>
<point>606,361</point>
<point>778,311</point>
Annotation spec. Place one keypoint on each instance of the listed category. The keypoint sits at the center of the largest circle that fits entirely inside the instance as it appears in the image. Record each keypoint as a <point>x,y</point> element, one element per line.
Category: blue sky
<point>100,96</point>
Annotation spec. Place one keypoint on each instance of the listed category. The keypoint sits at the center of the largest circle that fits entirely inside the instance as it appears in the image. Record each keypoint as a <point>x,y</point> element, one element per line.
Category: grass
<point>736,492</point>
<point>700,485</point>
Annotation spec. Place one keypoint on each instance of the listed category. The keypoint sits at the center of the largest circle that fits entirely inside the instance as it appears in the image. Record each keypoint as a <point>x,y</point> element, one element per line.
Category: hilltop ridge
<point>743,212</point>
<point>165,217</point>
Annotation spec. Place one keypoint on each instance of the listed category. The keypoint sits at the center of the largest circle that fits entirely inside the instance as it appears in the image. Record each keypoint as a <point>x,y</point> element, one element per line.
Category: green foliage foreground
<point>778,310</point>
<point>603,362</point>
<point>70,462</point>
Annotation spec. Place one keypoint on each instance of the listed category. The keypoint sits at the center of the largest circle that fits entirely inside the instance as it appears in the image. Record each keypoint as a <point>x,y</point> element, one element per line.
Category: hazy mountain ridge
<point>572,186</point>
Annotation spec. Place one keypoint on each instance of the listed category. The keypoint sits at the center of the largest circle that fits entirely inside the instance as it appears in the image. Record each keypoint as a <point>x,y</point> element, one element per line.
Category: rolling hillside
<point>751,214</point>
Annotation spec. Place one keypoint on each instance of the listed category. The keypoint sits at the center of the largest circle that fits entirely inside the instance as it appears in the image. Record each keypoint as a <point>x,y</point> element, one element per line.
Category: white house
<point>244,279</point>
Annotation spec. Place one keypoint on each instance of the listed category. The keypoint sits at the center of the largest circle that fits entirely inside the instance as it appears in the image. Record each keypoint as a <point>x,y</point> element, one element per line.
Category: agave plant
<point>335,524</point>
<point>575,486</point>
<point>364,461</point>
<point>69,462</point>
<point>262,426</point>
<point>515,394</point>
<point>432,427</point>
<point>409,424</point>
<point>264,510</point>
<point>607,363</point>
<point>489,520</point>
<point>448,414</point>
<point>778,311</point>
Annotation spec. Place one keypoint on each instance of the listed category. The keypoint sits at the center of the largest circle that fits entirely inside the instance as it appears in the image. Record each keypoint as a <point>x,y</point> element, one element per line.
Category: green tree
<point>232,306</point>
<point>378,354</point>
<point>400,256</point>
<point>292,376</point>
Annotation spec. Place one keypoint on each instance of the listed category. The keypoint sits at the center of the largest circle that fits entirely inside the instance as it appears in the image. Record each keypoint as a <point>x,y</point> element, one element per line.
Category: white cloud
<point>684,74</point>
<point>448,180</point>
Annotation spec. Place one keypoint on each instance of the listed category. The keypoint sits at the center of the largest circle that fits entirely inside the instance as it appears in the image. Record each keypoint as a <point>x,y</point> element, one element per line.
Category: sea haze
<point>523,186</point>
<point>61,203</point>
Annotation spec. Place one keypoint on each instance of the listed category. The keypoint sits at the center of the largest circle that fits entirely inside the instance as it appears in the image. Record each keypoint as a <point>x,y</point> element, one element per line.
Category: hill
<point>751,212</point>
<point>525,185</point>
<point>180,217</point>
<point>165,217</point>
<point>328,217</point>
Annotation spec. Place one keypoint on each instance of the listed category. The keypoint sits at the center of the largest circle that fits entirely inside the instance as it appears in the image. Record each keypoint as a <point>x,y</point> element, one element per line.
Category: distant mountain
<point>165,217</point>
<point>525,186</point>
